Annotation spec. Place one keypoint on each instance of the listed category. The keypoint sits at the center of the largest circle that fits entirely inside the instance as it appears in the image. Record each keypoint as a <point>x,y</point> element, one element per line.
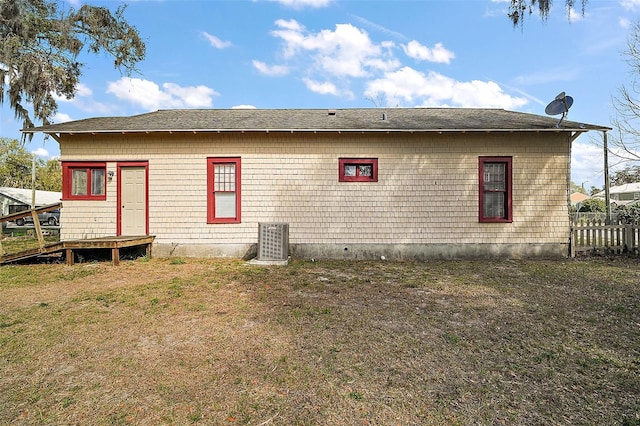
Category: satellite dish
<point>560,105</point>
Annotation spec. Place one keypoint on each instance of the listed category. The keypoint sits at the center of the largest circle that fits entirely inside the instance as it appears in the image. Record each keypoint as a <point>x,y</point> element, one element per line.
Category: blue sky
<point>362,53</point>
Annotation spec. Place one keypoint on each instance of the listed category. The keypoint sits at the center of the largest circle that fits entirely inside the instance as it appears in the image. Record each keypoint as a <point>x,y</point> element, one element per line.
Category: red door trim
<point>120,166</point>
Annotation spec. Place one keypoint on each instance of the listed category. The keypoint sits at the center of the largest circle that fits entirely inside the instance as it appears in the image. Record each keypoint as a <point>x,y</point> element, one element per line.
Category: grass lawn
<point>220,342</point>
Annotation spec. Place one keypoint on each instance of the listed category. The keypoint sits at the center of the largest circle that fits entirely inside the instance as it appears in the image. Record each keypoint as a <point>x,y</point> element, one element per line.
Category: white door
<point>133,201</point>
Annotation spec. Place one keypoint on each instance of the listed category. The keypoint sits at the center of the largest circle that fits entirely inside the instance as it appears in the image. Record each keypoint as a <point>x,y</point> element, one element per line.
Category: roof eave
<point>123,131</point>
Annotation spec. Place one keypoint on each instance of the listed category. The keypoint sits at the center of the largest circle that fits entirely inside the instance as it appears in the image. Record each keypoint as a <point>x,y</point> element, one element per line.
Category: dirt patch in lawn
<point>222,342</point>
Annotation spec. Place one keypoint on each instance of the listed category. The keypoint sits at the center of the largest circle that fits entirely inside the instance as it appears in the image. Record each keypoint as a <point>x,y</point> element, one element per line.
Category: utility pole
<point>33,180</point>
<point>607,197</point>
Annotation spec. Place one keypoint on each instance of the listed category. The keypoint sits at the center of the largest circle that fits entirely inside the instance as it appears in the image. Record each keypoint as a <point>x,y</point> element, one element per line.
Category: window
<point>84,181</point>
<point>495,189</point>
<point>223,183</point>
<point>358,170</point>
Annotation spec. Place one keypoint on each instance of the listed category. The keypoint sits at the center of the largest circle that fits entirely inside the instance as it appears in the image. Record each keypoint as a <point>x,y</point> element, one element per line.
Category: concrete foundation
<point>429,251</point>
<point>371,251</point>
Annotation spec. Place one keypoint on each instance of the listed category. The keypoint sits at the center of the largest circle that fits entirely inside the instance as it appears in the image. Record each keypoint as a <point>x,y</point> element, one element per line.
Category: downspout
<point>571,138</point>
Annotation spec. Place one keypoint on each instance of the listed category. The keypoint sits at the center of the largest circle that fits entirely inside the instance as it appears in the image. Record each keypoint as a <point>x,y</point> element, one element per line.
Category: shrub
<point>629,215</point>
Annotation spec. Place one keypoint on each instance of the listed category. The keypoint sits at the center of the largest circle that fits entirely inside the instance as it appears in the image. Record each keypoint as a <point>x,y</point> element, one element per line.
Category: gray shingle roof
<point>322,120</point>
<point>621,189</point>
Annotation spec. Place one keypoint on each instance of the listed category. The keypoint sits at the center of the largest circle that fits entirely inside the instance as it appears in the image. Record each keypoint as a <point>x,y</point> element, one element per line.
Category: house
<point>576,198</point>
<point>349,183</point>
<point>17,199</point>
<point>622,195</point>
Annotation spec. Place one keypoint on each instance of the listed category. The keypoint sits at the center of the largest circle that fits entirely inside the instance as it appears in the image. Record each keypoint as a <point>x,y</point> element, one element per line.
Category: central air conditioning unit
<point>273,241</point>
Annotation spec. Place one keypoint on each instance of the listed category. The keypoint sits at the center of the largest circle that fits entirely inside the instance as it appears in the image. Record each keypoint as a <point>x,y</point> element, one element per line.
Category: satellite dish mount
<point>560,105</point>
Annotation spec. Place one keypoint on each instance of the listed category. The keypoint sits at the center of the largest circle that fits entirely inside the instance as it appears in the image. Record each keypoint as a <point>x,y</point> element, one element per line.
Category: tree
<point>49,176</point>
<point>630,174</point>
<point>16,165</point>
<point>627,105</point>
<point>39,47</point>
<point>518,9</point>
<point>593,205</point>
<point>577,188</point>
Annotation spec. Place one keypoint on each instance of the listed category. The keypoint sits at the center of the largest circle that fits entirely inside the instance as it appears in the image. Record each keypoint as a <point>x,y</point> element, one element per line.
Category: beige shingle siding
<point>427,189</point>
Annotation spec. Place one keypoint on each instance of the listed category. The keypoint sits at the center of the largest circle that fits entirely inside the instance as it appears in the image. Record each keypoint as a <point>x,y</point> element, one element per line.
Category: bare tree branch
<point>626,121</point>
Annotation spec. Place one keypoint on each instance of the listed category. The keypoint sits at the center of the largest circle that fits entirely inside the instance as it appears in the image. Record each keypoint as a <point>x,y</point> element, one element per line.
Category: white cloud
<point>150,96</point>
<point>83,100</point>
<point>547,76</point>
<point>408,86</point>
<point>243,107</point>
<point>41,152</point>
<point>439,53</point>
<point>300,4</point>
<point>624,23</point>
<point>325,88</point>
<point>587,161</point>
<point>346,52</point>
<point>332,61</point>
<point>496,8</point>
<point>585,158</point>
<point>575,16</point>
<point>60,117</point>
<point>631,5</point>
<point>82,91</point>
<point>380,28</point>
<point>215,41</point>
<point>273,70</point>
<point>191,97</point>
<point>291,24</point>
<point>292,33</point>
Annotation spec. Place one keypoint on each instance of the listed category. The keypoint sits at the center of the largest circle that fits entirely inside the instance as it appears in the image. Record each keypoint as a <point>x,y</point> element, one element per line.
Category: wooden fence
<point>598,237</point>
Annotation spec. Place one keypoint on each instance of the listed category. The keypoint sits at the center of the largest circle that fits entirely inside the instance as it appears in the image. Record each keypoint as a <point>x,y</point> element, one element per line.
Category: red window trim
<point>508,189</point>
<point>357,161</point>
<point>67,180</point>
<point>211,205</point>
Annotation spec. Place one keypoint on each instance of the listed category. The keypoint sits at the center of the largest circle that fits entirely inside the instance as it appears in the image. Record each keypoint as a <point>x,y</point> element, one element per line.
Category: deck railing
<point>38,233</point>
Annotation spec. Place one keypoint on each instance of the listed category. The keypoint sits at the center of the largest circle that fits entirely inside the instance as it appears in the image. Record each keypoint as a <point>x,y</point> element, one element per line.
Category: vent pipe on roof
<point>332,112</point>
<point>384,116</point>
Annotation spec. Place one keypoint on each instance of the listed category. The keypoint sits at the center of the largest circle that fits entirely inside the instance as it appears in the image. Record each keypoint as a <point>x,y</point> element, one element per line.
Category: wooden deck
<point>69,248</point>
<point>72,246</point>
